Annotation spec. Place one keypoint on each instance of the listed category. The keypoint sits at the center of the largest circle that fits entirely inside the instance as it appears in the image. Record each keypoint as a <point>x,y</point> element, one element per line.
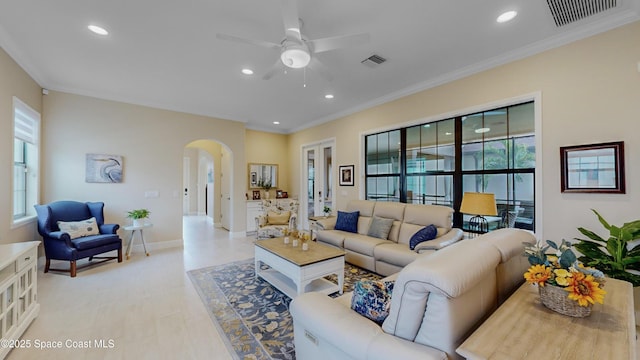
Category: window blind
<point>26,122</point>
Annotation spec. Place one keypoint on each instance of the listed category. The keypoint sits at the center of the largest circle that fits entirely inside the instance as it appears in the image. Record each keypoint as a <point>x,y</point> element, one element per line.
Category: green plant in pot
<point>138,215</point>
<point>326,210</point>
<point>266,185</point>
<point>618,256</point>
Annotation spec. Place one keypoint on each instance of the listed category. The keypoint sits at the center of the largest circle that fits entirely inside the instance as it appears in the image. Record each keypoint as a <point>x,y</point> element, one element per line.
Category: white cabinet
<point>18,290</point>
<point>254,208</point>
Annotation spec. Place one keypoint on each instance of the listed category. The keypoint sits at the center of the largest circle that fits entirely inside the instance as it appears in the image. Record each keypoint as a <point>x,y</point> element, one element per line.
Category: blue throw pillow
<point>347,221</point>
<point>425,234</point>
<point>372,299</point>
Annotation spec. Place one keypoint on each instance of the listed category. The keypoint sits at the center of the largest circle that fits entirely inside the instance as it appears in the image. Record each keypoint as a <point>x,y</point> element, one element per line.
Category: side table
<point>133,229</point>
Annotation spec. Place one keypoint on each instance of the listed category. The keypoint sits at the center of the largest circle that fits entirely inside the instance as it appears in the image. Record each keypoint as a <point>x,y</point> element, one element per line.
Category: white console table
<point>18,290</point>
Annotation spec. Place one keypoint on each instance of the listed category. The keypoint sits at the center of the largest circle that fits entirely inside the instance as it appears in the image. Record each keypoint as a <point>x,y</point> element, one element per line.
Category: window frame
<point>511,171</point>
<point>31,141</point>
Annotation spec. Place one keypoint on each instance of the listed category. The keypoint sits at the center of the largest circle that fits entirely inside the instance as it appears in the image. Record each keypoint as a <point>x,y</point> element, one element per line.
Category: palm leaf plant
<point>618,256</point>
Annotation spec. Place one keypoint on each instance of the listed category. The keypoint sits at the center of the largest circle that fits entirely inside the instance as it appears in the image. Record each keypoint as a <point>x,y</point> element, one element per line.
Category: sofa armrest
<point>109,228</point>
<point>330,323</point>
<point>387,346</point>
<point>60,236</point>
<point>327,223</point>
<point>454,235</point>
<point>261,220</point>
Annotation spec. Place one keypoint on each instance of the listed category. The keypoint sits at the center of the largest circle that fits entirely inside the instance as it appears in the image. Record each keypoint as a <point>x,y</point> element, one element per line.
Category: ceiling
<point>165,54</point>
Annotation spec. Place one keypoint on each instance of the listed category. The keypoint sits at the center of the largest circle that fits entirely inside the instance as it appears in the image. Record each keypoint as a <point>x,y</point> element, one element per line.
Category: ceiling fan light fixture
<point>295,57</point>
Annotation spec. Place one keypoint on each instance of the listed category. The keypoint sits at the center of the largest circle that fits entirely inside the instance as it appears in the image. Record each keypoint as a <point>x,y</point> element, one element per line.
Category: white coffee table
<point>294,271</point>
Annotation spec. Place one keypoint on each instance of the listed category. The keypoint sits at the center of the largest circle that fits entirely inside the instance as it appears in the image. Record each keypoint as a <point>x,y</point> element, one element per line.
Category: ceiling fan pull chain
<point>304,72</point>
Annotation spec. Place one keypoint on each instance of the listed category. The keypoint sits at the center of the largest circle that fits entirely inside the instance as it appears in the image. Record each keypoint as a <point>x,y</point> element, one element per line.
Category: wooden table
<point>522,328</point>
<point>294,271</point>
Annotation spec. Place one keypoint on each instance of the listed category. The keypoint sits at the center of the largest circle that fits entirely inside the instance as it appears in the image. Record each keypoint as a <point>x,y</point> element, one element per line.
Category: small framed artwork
<point>285,195</point>
<point>278,194</point>
<point>593,168</point>
<point>103,168</point>
<point>346,175</point>
<point>256,194</point>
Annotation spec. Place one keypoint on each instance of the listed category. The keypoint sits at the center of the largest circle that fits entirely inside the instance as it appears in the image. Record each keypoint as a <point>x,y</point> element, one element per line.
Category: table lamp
<point>479,205</point>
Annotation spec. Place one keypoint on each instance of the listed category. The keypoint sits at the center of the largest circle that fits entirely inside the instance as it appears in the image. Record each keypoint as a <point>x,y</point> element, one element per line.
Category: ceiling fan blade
<point>275,69</point>
<point>291,19</point>
<point>317,66</point>
<point>337,42</point>
<point>248,41</point>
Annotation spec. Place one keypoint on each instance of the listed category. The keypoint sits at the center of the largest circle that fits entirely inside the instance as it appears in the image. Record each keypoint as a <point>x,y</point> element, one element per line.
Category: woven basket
<point>556,299</point>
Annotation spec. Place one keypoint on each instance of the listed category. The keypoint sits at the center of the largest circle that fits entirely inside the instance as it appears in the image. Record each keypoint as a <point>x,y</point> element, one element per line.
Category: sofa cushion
<point>425,234</point>
<point>372,299</point>
<point>94,241</point>
<point>380,227</point>
<point>347,221</point>
<point>362,244</point>
<point>274,218</point>
<point>396,254</point>
<point>77,229</point>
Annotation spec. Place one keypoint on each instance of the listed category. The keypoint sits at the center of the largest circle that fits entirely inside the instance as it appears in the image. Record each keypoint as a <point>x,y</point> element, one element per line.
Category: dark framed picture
<point>256,194</point>
<point>346,175</point>
<point>593,168</point>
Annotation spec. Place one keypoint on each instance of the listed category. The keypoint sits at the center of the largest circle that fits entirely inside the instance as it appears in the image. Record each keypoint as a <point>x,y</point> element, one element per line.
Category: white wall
<point>152,142</point>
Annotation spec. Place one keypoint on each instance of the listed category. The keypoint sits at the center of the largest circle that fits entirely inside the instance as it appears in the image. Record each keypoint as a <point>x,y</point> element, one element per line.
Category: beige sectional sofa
<point>388,256</point>
<point>436,303</point>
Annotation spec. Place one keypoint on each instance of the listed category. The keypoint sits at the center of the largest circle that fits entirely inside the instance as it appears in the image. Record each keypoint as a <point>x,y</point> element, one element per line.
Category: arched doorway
<point>207,179</point>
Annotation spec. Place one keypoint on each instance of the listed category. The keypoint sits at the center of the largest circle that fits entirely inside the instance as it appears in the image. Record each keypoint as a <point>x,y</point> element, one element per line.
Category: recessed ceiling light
<point>276,123</point>
<point>328,96</point>
<point>506,16</point>
<point>98,30</point>
<point>426,125</point>
<point>482,130</point>
<point>448,133</point>
<point>247,71</point>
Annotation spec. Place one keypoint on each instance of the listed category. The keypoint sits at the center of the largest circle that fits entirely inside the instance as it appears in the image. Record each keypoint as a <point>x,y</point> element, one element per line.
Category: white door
<point>225,190</point>
<point>186,178</point>
<point>319,179</point>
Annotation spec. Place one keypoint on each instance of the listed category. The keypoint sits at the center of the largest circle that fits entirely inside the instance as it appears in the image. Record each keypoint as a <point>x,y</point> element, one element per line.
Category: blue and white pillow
<point>347,221</point>
<point>425,234</point>
<point>372,299</point>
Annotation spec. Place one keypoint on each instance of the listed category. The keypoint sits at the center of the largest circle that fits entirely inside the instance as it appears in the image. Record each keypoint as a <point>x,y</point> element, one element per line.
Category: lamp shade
<point>475,203</point>
<point>295,56</point>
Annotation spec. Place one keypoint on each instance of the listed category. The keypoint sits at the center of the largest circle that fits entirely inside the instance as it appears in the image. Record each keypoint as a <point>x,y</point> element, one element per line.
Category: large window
<point>435,163</point>
<point>26,141</point>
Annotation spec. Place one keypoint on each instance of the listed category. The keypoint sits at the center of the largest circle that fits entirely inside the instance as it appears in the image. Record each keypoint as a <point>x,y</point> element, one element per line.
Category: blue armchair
<point>60,245</point>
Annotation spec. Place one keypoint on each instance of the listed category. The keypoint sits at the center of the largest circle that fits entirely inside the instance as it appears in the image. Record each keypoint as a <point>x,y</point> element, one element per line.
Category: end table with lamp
<point>479,205</point>
<point>133,228</point>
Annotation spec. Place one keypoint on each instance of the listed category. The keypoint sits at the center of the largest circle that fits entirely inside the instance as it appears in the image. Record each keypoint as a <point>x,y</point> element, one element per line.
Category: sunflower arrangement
<point>560,267</point>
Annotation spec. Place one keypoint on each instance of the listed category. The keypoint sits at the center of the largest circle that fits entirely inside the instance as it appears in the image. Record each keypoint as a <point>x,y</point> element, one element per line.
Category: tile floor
<point>146,305</point>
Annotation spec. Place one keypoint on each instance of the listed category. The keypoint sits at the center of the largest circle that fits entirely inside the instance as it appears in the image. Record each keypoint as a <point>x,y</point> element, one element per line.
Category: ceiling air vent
<point>567,11</point>
<point>373,60</point>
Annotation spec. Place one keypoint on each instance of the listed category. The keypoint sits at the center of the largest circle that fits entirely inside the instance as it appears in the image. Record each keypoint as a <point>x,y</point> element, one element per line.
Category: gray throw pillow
<point>380,227</point>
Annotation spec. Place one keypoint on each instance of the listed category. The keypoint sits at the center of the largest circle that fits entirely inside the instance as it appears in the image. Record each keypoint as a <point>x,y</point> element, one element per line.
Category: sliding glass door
<point>319,182</point>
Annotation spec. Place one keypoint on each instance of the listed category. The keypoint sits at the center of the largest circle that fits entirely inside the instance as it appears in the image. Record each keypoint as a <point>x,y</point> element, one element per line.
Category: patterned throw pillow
<point>273,218</point>
<point>347,221</point>
<point>380,227</point>
<point>77,229</point>
<point>425,234</point>
<point>372,299</point>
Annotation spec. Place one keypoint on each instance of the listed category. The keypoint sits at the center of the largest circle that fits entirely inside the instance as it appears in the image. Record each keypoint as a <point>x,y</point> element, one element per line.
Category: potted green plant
<point>618,256</point>
<point>327,211</point>
<point>266,185</point>
<point>138,215</point>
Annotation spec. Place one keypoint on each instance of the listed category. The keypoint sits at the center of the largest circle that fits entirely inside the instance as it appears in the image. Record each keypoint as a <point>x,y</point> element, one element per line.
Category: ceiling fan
<point>296,51</point>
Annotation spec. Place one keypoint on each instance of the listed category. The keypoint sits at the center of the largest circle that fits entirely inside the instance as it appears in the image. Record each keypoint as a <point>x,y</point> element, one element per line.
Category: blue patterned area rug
<point>252,314</point>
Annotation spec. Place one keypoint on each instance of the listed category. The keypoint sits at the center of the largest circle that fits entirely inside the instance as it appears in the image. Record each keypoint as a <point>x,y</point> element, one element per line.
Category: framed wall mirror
<point>594,168</point>
<point>260,174</point>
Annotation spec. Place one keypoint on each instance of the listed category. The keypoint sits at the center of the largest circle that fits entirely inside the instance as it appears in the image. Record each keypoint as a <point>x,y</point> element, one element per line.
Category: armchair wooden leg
<point>46,265</point>
<point>120,255</point>
<point>72,270</point>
